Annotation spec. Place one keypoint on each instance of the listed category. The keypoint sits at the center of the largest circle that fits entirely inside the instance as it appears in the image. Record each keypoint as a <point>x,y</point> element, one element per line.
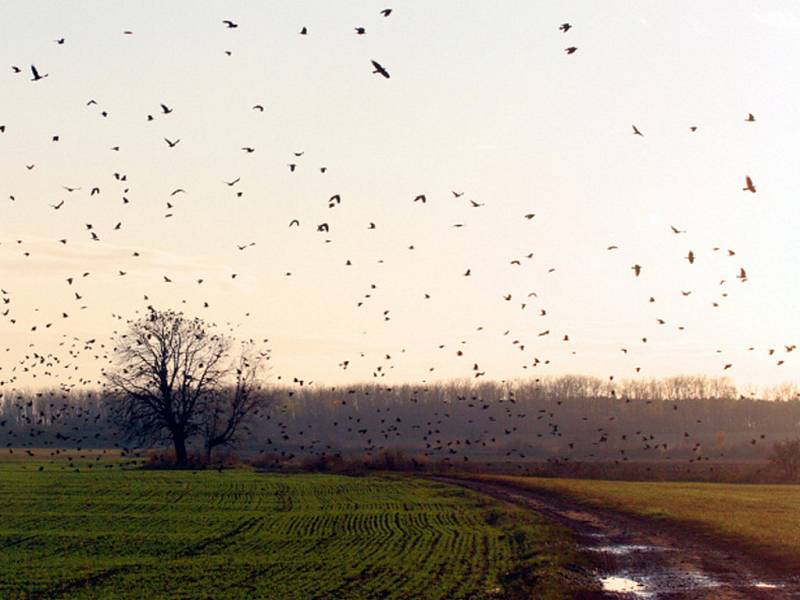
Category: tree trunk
<point>181,458</point>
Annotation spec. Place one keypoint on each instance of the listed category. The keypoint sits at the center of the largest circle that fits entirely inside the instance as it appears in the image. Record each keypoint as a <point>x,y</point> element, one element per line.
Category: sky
<point>482,101</point>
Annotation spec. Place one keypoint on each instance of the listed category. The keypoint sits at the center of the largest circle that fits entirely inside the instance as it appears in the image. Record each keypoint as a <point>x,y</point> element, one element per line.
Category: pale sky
<point>483,100</point>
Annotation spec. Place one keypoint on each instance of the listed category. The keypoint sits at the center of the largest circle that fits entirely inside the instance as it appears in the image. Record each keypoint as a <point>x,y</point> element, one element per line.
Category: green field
<point>763,519</point>
<point>113,533</point>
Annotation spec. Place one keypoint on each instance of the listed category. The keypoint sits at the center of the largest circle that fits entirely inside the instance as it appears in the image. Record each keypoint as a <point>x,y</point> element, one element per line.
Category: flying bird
<point>35,73</point>
<point>565,27</point>
<point>571,50</point>
<point>636,131</point>
<point>170,143</point>
<point>749,187</point>
<point>379,69</point>
<point>230,24</point>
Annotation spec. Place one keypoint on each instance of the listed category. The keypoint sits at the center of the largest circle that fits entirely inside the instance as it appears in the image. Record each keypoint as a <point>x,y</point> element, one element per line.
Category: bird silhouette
<point>379,69</point>
<point>35,73</point>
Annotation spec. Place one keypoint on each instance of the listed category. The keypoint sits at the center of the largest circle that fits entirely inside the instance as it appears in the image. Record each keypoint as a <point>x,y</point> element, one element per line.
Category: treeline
<point>570,417</point>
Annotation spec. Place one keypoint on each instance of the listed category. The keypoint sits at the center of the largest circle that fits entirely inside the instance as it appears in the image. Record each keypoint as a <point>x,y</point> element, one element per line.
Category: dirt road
<point>637,558</point>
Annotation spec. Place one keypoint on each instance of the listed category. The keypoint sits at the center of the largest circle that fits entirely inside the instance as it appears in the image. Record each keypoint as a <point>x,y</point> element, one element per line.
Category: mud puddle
<point>636,558</point>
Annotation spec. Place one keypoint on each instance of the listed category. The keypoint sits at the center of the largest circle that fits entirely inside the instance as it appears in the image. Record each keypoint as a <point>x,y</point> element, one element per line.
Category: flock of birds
<point>64,364</point>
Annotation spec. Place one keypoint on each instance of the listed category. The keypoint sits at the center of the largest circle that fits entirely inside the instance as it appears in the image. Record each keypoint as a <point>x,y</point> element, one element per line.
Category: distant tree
<point>230,409</point>
<point>786,457</point>
<point>168,367</point>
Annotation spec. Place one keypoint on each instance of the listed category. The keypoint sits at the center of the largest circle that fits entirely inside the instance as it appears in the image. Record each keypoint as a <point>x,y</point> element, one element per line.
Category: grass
<point>115,533</point>
<point>763,519</point>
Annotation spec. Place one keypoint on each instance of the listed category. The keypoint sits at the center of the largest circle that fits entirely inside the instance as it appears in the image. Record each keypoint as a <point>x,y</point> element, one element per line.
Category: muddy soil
<point>637,558</point>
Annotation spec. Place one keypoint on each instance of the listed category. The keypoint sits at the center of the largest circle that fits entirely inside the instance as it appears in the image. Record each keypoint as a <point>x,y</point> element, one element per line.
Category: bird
<point>421,198</point>
<point>379,69</point>
<point>571,50</point>
<point>258,107</point>
<point>750,118</point>
<point>304,31</point>
<point>60,41</point>
<point>294,222</point>
<point>749,187</point>
<point>637,269</point>
<point>35,73</point>
<point>360,31</point>
<point>636,131</point>
<point>529,216</point>
<point>57,206</point>
<point>170,143</point>
<point>230,24</point>
<point>322,227</point>
<point>565,27</point>
<point>675,230</point>
<point>165,109</point>
<point>232,183</point>
<point>386,12</point>
<point>690,257</point>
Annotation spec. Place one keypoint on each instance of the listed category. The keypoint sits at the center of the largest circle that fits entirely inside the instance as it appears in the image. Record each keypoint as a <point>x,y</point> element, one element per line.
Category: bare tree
<point>231,408</point>
<point>168,367</point>
<point>786,457</point>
